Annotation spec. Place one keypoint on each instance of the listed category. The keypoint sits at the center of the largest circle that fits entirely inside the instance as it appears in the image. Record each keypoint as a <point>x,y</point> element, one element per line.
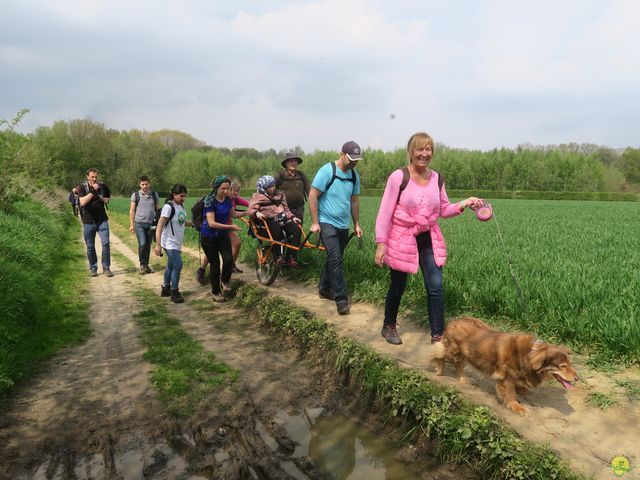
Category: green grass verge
<point>184,373</point>
<point>43,299</point>
<point>602,400</point>
<point>465,432</point>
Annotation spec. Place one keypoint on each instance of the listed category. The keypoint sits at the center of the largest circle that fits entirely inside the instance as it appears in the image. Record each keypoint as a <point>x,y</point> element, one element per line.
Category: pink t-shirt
<point>237,201</point>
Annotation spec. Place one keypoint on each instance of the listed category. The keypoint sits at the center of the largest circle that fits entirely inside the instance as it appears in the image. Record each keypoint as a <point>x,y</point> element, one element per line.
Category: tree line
<point>60,154</point>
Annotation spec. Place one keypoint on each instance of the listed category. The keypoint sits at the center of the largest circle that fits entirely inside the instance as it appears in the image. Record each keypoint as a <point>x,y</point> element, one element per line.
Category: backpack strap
<point>440,180</point>
<point>334,176</point>
<point>405,181</point>
<point>171,215</point>
<point>154,195</point>
<point>305,185</point>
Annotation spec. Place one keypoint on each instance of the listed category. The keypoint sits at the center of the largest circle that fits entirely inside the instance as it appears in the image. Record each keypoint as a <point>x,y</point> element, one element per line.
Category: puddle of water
<point>342,448</point>
<point>88,468</point>
<point>130,464</point>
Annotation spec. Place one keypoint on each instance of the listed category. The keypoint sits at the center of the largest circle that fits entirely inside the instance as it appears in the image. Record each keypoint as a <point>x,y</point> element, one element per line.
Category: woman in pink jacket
<point>408,235</point>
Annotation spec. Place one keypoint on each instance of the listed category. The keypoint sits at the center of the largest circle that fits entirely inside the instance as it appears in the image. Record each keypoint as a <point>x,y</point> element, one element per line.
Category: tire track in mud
<point>84,393</point>
<point>585,436</point>
<point>92,413</point>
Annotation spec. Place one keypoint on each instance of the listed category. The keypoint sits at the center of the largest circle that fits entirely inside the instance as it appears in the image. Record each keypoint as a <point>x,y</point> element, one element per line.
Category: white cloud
<point>284,73</point>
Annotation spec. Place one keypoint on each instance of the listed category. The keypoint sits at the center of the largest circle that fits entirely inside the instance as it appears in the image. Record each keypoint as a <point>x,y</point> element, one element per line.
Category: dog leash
<point>510,262</point>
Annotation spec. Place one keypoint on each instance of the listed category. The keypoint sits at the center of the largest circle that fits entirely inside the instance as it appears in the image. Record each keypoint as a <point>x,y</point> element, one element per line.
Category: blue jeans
<point>332,276</point>
<point>145,236</point>
<point>89,231</point>
<point>432,275</point>
<point>174,267</point>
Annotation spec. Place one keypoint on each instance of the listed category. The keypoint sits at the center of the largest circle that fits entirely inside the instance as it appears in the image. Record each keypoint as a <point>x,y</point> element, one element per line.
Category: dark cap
<point>290,156</point>
<point>353,151</point>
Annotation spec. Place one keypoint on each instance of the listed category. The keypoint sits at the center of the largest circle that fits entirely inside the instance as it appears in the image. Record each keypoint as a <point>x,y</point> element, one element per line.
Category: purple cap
<point>353,151</point>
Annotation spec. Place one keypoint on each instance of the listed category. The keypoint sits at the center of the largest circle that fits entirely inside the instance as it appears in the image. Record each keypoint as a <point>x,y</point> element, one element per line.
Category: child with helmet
<point>270,204</point>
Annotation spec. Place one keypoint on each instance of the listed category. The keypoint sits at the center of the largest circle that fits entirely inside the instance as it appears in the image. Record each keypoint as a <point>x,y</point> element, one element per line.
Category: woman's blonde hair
<point>417,141</point>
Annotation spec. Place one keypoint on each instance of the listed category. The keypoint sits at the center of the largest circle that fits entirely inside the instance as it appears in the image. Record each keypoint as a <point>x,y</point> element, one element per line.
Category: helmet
<point>265,182</point>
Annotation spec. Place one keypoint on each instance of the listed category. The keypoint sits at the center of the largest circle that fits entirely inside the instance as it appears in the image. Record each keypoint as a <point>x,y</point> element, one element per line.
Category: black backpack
<point>197,214</point>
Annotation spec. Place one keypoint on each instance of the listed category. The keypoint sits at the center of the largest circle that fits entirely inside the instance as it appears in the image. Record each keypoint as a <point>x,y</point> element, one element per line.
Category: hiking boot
<point>326,294</point>
<point>107,272</point>
<point>390,334</point>
<point>176,296</point>
<point>218,297</point>
<point>165,291</point>
<point>343,307</point>
<point>142,271</point>
<point>148,269</point>
<point>226,288</point>
<point>235,269</point>
<point>293,263</point>
<point>93,272</point>
<point>200,276</point>
<point>436,338</point>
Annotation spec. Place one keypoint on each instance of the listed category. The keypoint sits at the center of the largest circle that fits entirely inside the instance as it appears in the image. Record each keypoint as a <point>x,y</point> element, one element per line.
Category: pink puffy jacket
<point>270,207</point>
<point>418,211</point>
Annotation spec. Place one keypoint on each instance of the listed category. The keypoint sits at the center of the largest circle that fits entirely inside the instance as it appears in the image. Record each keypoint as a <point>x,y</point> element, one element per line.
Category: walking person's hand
<point>380,251</point>
<point>131,229</point>
<point>157,250</point>
<point>315,228</point>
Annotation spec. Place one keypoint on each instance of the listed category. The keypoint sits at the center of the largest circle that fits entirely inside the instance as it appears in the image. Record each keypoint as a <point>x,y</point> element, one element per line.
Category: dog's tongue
<point>563,382</point>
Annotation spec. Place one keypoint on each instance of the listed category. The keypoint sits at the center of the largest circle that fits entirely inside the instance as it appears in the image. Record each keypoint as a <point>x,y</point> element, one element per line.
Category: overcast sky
<point>276,74</point>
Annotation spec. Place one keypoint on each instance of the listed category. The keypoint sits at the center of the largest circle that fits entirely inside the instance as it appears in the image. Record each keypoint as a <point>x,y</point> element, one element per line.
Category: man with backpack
<point>94,196</point>
<point>294,184</point>
<point>333,201</point>
<point>145,203</point>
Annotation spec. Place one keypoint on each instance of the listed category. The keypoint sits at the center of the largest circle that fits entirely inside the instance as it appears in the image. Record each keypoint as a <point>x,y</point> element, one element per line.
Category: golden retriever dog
<point>517,363</point>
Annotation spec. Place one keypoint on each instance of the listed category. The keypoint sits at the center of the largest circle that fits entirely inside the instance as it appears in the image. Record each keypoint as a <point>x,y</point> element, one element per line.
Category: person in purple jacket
<point>408,235</point>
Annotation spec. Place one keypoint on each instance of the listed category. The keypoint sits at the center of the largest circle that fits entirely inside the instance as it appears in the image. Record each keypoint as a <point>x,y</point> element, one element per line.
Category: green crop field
<point>577,265</point>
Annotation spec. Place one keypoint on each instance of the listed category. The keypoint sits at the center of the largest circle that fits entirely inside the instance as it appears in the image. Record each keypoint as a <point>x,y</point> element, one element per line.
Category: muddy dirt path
<point>586,436</point>
<point>94,414</point>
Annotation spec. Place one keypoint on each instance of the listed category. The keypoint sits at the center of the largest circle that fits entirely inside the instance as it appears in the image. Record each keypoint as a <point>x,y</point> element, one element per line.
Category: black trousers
<point>214,248</point>
<point>280,233</point>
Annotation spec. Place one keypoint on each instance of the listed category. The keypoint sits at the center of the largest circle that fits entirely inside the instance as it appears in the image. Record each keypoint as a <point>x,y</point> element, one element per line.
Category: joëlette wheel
<point>267,272</point>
